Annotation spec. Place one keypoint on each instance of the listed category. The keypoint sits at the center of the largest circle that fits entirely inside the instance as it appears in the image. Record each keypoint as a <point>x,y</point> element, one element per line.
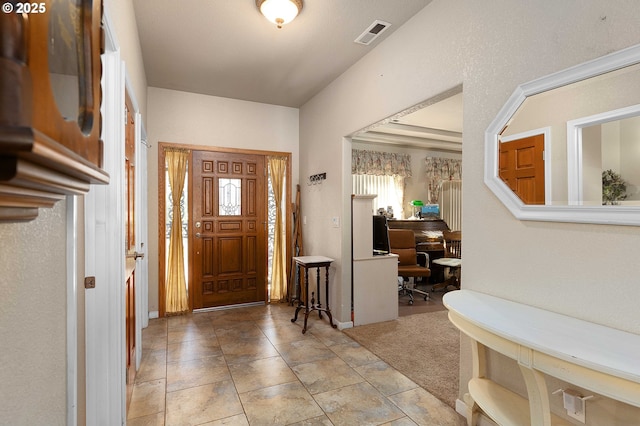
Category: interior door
<point>229,222</point>
<point>130,240</point>
<point>521,166</point>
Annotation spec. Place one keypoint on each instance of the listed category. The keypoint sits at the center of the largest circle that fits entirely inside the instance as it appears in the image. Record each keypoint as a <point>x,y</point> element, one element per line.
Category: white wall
<point>491,47</point>
<point>630,135</point>
<point>33,291</point>
<point>193,119</point>
<point>123,19</point>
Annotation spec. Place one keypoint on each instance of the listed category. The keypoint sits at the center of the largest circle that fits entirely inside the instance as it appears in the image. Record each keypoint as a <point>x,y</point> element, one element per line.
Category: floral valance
<point>439,169</point>
<point>379,163</point>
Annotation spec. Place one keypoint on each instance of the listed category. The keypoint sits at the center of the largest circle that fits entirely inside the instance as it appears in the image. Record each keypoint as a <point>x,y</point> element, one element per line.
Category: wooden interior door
<point>230,225</point>
<point>130,240</point>
<point>521,165</point>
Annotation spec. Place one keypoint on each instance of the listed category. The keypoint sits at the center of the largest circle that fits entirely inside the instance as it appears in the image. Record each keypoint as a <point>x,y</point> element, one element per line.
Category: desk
<point>601,359</point>
<point>317,262</point>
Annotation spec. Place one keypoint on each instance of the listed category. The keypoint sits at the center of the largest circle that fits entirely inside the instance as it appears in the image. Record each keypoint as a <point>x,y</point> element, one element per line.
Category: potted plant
<point>614,188</point>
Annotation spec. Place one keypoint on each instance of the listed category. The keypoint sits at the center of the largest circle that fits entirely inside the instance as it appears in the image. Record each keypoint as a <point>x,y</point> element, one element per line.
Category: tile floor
<point>252,366</point>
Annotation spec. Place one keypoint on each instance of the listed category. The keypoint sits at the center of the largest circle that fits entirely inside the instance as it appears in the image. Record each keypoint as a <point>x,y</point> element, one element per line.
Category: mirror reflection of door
<point>229,220</point>
<point>521,167</point>
<point>130,239</point>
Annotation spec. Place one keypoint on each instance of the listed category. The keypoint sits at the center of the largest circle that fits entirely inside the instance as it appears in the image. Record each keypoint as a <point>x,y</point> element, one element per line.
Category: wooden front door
<point>229,221</point>
<point>521,165</point>
<point>130,240</point>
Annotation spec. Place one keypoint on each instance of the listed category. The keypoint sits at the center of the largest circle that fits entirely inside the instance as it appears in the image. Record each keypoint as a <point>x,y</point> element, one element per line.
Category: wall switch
<point>335,221</point>
<point>304,220</point>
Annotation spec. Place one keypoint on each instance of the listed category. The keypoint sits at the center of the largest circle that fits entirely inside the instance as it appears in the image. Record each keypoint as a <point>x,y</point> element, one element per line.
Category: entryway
<point>227,212</point>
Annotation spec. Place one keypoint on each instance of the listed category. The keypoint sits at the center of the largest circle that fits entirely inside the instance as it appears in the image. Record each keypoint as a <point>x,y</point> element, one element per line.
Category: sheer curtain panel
<point>277,169</point>
<point>176,286</point>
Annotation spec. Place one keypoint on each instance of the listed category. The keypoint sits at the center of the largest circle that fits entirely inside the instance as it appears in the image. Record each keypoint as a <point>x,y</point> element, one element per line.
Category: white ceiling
<point>437,126</point>
<point>227,48</point>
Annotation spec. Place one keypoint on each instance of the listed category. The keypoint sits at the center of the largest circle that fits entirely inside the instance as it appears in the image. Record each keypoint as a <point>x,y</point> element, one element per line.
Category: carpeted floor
<point>424,347</point>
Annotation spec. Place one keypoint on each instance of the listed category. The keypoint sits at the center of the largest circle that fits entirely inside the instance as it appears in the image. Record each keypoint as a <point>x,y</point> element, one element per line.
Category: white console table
<point>601,359</point>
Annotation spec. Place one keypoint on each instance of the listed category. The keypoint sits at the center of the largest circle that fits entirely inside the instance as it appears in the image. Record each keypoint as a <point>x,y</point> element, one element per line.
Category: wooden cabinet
<point>50,98</point>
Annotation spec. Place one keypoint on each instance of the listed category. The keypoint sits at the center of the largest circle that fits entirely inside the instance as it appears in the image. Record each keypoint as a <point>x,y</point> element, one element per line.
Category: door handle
<point>198,235</point>
<point>137,255</point>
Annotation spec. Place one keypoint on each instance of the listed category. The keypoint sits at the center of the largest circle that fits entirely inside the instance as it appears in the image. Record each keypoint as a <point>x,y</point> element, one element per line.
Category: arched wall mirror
<point>559,142</point>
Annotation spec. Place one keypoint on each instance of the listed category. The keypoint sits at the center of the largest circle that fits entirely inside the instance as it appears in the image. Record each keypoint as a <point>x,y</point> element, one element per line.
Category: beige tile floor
<point>252,366</point>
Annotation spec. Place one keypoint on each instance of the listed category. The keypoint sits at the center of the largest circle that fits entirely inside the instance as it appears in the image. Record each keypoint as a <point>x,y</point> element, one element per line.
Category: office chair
<point>411,264</point>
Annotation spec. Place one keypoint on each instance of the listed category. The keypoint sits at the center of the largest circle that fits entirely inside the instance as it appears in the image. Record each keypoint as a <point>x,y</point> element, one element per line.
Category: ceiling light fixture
<point>280,12</point>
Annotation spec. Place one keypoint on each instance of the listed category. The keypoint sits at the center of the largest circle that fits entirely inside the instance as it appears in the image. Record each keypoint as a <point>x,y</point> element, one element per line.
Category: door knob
<point>198,235</point>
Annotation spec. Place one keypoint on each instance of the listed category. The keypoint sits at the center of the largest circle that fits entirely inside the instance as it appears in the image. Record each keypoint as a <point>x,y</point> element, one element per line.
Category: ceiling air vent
<point>372,32</point>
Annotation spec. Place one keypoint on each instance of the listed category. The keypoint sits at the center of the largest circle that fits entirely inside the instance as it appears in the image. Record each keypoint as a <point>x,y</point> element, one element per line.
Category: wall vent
<point>372,32</point>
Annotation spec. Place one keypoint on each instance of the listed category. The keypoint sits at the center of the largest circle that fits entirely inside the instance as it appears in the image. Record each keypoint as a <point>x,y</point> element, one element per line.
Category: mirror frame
<point>612,215</point>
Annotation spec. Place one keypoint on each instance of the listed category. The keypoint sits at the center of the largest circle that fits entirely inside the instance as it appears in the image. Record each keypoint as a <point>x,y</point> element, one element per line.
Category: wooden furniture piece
<point>375,278</point>
<point>403,244</point>
<point>591,356</point>
<point>317,262</point>
<point>452,259</point>
<point>50,97</point>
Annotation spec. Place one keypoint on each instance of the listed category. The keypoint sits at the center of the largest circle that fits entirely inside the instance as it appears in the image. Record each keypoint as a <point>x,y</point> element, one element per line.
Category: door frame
<point>161,210</point>
<point>105,353</point>
<point>104,255</point>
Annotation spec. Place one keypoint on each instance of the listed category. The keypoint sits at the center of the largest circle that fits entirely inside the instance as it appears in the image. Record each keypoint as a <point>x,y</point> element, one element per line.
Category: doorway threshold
<point>222,308</point>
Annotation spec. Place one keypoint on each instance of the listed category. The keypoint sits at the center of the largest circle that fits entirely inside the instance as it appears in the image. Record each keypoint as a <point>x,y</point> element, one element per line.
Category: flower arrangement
<point>614,188</point>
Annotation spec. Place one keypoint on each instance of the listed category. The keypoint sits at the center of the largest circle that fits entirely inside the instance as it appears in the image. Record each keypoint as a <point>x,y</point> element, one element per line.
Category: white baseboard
<point>343,325</point>
<point>153,314</point>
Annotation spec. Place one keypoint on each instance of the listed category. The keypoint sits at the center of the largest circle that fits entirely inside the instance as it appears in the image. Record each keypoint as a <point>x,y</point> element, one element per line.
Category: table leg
<point>295,317</point>
<point>326,292</point>
<point>318,289</point>
<point>306,307</point>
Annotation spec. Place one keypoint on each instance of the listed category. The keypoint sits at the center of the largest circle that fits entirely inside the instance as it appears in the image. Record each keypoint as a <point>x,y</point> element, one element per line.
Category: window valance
<point>379,163</point>
<point>439,169</point>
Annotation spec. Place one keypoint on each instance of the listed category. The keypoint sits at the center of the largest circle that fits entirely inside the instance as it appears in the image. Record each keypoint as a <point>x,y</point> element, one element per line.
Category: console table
<point>601,359</point>
<point>317,262</point>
